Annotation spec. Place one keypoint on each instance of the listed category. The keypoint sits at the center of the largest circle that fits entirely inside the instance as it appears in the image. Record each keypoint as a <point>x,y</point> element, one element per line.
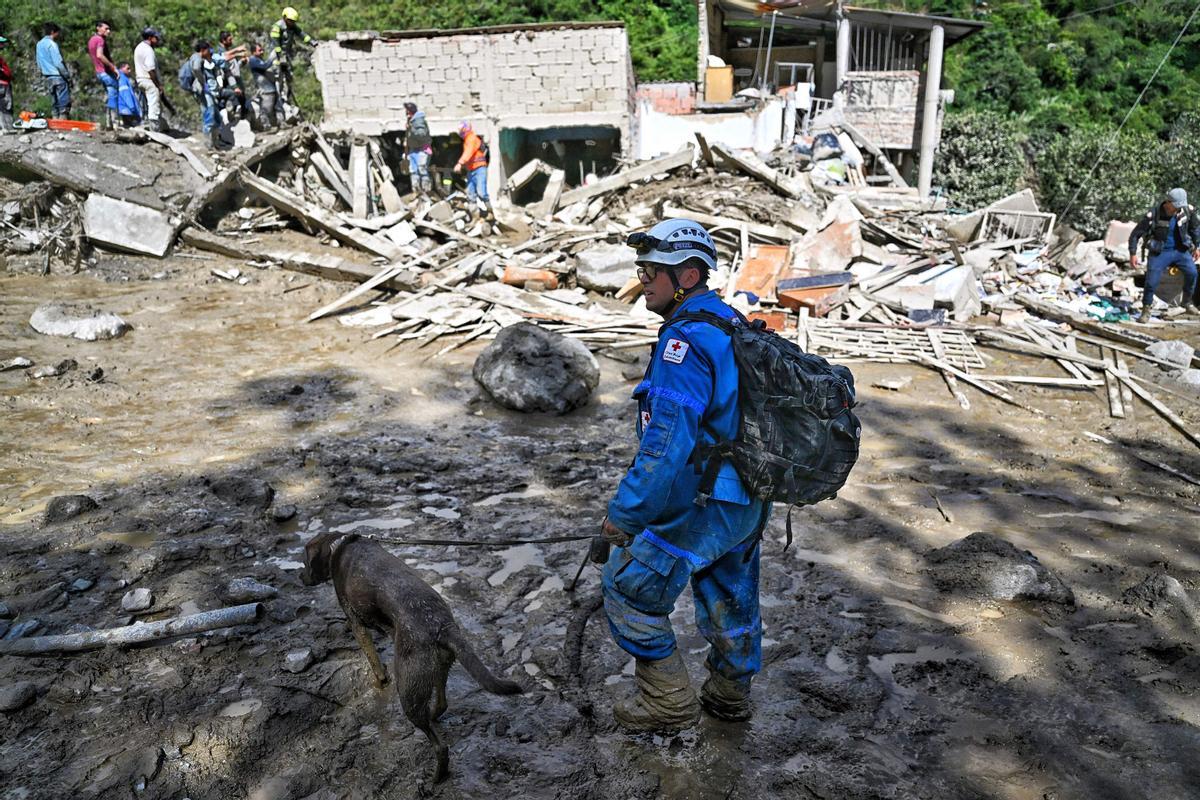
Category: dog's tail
<point>479,671</point>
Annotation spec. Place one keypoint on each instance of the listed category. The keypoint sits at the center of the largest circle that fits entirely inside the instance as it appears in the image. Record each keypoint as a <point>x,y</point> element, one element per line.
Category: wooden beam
<point>332,178</point>
<point>681,158</point>
<point>753,166</point>
<point>380,278</point>
<point>714,221</point>
<point>1164,412</point>
<point>862,141</point>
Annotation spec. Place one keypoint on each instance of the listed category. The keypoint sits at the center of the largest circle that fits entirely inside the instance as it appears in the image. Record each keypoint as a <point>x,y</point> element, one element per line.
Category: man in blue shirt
<point>1172,232</point>
<point>665,539</point>
<point>54,70</point>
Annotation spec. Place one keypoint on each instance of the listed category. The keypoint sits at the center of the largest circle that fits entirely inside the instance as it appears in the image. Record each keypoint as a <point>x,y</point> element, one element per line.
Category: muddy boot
<point>1144,317</point>
<point>726,699</point>
<point>664,700</point>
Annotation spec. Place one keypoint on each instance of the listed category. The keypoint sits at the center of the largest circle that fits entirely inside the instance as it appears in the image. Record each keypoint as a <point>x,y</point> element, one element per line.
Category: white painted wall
<point>659,134</point>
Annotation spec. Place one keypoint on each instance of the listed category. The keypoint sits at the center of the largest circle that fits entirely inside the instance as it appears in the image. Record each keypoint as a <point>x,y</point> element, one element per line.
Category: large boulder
<point>605,268</point>
<point>81,322</point>
<point>988,567</point>
<point>528,368</point>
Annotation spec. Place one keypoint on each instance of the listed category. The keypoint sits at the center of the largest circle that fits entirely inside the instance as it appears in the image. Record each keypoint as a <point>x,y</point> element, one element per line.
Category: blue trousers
<point>717,554</point>
<point>1157,266</point>
<point>477,184</point>
<point>60,97</point>
<point>110,89</point>
<point>208,110</point>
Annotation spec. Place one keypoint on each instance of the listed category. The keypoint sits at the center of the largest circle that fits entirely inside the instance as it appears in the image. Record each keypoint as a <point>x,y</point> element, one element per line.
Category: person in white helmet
<point>665,536</point>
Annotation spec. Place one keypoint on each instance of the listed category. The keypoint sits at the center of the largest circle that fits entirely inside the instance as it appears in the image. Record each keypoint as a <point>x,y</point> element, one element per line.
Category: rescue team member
<point>264,84</point>
<point>418,144</point>
<point>689,396</point>
<point>474,161</point>
<point>284,34</point>
<point>1173,228</point>
<point>54,70</point>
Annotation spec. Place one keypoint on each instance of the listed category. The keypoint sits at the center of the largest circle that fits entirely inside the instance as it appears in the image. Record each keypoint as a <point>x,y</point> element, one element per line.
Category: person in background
<point>6,93</point>
<point>229,59</point>
<point>145,73</point>
<point>106,71</point>
<point>206,89</point>
<point>285,34</point>
<point>1172,233</point>
<point>264,84</point>
<point>418,144</point>
<point>475,163</point>
<point>54,71</point>
<point>128,108</point>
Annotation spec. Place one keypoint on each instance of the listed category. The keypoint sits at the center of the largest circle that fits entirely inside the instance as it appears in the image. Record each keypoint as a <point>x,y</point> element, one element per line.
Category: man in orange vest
<point>474,160</point>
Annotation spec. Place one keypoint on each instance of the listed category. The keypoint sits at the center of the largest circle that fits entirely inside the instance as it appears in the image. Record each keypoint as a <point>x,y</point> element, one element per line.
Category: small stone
<point>243,491</point>
<point>16,696</point>
<point>247,590</point>
<point>68,506</point>
<point>81,585</point>
<point>298,660</point>
<point>20,362</point>
<point>96,374</point>
<point>283,513</point>
<point>47,371</point>
<point>22,628</point>
<point>137,600</point>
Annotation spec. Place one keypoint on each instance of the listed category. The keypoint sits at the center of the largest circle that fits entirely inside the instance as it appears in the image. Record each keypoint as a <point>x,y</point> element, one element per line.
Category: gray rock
<point>80,322</point>
<point>20,362</point>
<point>81,585</point>
<point>1188,377</point>
<point>605,268</point>
<point>298,660</point>
<point>1175,351</point>
<point>22,629</point>
<point>53,371</point>
<point>528,368</point>
<point>248,590</point>
<point>16,696</point>
<point>68,506</point>
<point>283,513</point>
<point>985,566</point>
<point>137,600</point>
<point>243,491</point>
<point>1160,593</point>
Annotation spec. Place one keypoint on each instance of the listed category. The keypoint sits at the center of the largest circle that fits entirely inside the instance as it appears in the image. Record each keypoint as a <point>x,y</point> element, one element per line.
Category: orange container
<point>71,125</point>
<point>517,276</point>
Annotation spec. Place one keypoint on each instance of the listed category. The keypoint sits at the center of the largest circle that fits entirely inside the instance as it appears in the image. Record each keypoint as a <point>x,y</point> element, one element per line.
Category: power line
<point>1095,10</point>
<point>1113,138</point>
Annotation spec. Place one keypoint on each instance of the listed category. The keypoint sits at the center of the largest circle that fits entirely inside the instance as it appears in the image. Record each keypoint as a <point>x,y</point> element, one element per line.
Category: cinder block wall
<point>533,77</point>
<point>885,106</point>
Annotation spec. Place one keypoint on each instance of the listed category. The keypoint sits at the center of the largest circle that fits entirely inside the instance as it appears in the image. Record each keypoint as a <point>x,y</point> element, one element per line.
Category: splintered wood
<point>868,342</point>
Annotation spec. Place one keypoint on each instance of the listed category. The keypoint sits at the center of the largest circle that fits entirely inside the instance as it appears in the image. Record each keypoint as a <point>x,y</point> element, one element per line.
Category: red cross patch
<point>645,420</point>
<point>675,351</point>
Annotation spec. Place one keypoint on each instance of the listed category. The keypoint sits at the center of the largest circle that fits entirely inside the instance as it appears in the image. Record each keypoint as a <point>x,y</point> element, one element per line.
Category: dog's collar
<point>338,543</point>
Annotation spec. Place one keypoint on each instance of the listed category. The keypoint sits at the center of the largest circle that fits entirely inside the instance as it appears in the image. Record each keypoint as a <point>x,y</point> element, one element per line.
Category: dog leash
<point>476,542</point>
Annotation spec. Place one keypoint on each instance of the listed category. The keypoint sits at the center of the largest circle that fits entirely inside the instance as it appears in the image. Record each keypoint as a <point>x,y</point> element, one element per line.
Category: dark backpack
<point>798,438</point>
<point>187,78</point>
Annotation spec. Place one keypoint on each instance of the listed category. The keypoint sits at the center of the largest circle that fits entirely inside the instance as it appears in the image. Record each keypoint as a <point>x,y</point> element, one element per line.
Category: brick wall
<point>479,75</point>
<point>669,98</point>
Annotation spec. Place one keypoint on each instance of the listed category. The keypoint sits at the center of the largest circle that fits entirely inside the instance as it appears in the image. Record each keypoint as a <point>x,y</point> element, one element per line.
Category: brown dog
<point>378,590</point>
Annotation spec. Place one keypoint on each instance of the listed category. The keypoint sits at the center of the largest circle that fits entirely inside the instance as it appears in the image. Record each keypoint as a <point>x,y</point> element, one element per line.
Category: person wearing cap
<point>418,145</point>
<point>54,71</point>
<point>6,93</point>
<point>665,538</point>
<point>145,74</point>
<point>474,161</point>
<point>284,35</point>
<point>106,71</point>
<point>1172,233</point>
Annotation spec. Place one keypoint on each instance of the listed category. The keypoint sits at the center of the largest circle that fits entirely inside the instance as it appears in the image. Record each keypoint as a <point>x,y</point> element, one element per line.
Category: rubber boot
<point>726,699</point>
<point>664,700</point>
<point>1144,317</point>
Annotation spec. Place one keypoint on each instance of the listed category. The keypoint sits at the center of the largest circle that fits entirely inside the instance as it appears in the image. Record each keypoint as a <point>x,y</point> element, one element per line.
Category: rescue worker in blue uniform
<point>1172,231</point>
<point>664,538</point>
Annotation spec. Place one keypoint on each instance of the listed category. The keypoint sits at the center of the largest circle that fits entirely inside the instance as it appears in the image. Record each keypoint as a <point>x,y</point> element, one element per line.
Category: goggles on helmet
<point>645,244</point>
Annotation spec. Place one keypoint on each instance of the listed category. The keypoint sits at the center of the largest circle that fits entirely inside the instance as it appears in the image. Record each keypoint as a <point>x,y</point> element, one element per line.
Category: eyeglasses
<point>647,272</point>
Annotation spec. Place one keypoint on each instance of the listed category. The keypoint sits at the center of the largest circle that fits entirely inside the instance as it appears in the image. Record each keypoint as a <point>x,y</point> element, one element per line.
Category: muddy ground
<point>877,685</point>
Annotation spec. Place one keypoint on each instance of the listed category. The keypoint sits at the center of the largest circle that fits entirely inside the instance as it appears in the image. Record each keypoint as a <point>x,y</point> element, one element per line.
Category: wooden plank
<point>381,277</point>
<point>980,385</point>
<point>331,156</point>
<point>705,152</point>
<point>359,181</point>
<point>453,234</point>
<point>713,221</point>
<point>881,158</point>
<point>681,158</point>
<point>753,166</point>
<point>332,178</point>
<point>1164,412</point>
<point>951,381</point>
<point>181,149</point>
<point>318,217</point>
<point>550,197</point>
<point>1126,394</point>
<point>1112,385</point>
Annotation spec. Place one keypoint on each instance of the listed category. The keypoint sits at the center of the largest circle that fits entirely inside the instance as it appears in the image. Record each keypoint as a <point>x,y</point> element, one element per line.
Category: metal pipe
<point>757,76</point>
<point>929,122</point>
<point>770,41</point>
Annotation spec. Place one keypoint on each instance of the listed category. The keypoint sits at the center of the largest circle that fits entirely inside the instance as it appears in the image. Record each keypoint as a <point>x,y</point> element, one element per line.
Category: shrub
<point>980,158</point>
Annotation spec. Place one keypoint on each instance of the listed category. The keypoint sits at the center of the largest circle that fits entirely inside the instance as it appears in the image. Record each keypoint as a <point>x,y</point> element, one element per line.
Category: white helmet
<point>672,242</point>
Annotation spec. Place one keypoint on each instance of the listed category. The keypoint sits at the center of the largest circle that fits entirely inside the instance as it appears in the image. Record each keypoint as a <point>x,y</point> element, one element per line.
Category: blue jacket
<point>50,60</point>
<point>127,102</point>
<point>688,396</point>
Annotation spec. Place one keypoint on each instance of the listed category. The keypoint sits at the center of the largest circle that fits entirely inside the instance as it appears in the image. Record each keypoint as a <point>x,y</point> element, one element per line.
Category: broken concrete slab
<point>605,268</point>
<point>681,158</point>
<point>550,197</point>
<point>77,321</point>
<point>1116,239</point>
<point>127,226</point>
<point>832,248</point>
